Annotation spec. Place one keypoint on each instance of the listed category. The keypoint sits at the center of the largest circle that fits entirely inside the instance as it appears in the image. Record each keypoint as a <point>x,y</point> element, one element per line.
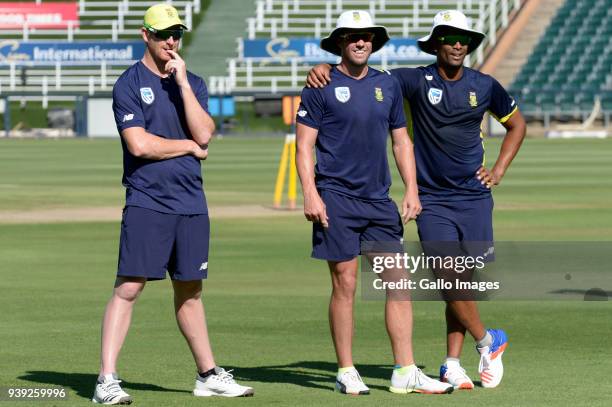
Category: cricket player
<point>346,195</point>
<point>447,103</point>
<point>161,113</point>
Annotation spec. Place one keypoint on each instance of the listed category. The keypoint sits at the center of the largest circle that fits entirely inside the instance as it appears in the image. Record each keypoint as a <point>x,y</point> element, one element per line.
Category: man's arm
<point>515,133</point>
<point>151,147</point>
<point>201,125</point>
<point>318,76</point>
<point>404,159</point>
<point>314,207</point>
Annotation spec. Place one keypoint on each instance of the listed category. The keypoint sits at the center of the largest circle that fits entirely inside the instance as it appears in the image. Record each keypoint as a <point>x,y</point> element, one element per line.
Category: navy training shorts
<point>469,222</point>
<point>153,242</point>
<point>353,222</point>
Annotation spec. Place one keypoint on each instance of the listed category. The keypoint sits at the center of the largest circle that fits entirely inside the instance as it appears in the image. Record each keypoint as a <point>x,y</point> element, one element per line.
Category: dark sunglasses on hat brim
<point>455,38</point>
<point>356,37</point>
<point>163,35</point>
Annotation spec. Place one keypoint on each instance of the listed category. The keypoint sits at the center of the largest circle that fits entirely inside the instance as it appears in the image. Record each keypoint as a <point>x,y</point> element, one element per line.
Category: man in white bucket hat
<point>447,104</point>
<point>346,195</point>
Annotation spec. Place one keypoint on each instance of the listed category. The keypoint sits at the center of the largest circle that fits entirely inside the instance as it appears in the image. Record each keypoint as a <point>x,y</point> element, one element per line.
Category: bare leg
<point>344,284</point>
<point>455,334</point>
<point>192,322</point>
<point>116,322</point>
<point>464,313</point>
<point>398,318</point>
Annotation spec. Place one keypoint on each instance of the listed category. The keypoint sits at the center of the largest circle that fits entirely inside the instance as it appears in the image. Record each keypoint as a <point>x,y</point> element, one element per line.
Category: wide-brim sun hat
<point>162,16</point>
<point>355,21</point>
<point>456,22</point>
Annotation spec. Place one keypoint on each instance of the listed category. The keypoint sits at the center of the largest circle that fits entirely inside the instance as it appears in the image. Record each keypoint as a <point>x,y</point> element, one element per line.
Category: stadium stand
<point>106,21</point>
<point>109,20</point>
<point>278,20</point>
<point>571,66</point>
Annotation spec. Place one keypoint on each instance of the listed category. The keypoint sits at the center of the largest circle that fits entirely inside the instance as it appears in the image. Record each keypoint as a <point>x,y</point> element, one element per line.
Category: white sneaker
<point>350,382</point>
<point>491,368</point>
<point>222,384</point>
<point>109,392</point>
<point>455,376</point>
<point>416,381</point>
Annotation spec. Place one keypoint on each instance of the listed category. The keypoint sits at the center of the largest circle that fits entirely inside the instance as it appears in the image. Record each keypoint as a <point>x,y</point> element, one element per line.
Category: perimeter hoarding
<point>397,49</point>
<point>44,15</point>
<point>45,52</point>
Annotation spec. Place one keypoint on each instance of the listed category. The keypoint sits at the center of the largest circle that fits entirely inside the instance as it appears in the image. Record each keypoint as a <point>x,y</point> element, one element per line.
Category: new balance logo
<point>128,117</point>
<point>204,266</point>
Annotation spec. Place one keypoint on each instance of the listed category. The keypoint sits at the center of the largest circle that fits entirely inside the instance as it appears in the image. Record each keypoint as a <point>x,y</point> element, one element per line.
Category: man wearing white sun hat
<point>346,195</point>
<point>447,104</point>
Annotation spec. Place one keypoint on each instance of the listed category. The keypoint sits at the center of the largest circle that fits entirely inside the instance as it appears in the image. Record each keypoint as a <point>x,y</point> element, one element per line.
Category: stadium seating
<point>104,19</point>
<point>100,20</point>
<point>316,18</point>
<point>571,65</point>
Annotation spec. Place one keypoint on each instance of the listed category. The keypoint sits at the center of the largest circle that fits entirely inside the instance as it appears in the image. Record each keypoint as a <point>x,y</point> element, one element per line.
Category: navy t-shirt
<point>446,119</point>
<point>144,99</point>
<point>353,118</point>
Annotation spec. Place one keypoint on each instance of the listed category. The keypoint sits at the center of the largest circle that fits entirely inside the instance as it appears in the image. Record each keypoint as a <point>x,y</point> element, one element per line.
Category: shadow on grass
<point>312,374</point>
<point>83,383</point>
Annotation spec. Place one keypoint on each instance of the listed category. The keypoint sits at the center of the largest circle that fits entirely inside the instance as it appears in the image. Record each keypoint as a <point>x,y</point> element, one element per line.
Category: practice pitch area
<point>266,299</point>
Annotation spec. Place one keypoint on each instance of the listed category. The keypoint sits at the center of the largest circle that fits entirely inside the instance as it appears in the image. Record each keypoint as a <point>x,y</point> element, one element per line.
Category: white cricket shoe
<point>416,381</point>
<point>350,382</point>
<point>221,384</point>
<point>109,392</point>
<point>491,368</point>
<point>455,376</point>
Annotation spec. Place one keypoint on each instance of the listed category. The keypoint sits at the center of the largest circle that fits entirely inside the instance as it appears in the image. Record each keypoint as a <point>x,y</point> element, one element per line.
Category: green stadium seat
<point>571,63</point>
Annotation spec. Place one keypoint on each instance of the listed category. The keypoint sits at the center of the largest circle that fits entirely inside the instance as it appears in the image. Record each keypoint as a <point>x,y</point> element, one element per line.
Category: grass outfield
<point>266,300</point>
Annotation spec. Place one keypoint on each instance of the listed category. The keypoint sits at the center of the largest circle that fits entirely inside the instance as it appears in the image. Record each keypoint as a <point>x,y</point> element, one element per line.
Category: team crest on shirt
<point>434,95</point>
<point>343,94</point>
<point>378,94</point>
<point>473,100</point>
<point>147,95</point>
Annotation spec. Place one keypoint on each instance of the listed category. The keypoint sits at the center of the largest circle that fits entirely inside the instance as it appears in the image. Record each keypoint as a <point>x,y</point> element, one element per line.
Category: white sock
<point>452,363</point>
<point>487,340</point>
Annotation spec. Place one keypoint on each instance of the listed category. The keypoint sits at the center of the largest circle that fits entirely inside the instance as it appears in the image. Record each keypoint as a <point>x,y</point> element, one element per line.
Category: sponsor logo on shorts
<point>204,266</point>
<point>343,94</point>
<point>302,113</point>
<point>147,95</point>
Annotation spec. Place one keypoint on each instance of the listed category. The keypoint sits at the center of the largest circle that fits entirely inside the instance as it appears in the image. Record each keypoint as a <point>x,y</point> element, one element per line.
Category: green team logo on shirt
<point>473,100</point>
<point>378,94</point>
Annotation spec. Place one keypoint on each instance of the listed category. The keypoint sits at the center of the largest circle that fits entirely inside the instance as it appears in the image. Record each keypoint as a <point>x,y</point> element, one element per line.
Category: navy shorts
<point>470,222</point>
<point>153,243</point>
<point>353,222</point>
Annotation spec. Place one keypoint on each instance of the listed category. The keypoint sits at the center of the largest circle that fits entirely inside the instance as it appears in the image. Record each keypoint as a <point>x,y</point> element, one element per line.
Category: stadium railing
<point>276,19</point>
<point>105,21</point>
<point>97,19</point>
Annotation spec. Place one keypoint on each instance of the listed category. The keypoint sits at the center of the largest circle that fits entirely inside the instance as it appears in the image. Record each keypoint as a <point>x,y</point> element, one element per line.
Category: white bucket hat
<point>457,22</point>
<point>355,21</point>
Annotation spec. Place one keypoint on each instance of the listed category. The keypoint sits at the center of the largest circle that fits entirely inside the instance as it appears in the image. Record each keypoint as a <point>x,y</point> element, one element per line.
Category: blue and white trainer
<point>455,375</point>
<point>491,368</point>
